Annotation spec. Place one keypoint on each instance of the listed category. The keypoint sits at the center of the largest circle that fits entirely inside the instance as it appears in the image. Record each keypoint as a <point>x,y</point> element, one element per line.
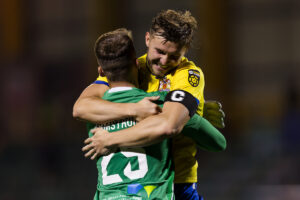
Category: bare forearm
<point>96,110</point>
<point>147,132</point>
<point>153,129</point>
<point>91,107</point>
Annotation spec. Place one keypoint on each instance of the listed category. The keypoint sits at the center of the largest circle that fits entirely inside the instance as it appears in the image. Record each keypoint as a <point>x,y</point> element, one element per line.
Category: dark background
<point>250,56</point>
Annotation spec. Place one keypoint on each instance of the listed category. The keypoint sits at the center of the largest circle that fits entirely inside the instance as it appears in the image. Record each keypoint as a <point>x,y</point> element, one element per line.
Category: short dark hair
<point>115,53</point>
<point>174,26</point>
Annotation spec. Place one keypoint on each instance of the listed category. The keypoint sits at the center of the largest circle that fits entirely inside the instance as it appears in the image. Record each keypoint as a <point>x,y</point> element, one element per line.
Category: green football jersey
<point>145,173</point>
<point>134,173</point>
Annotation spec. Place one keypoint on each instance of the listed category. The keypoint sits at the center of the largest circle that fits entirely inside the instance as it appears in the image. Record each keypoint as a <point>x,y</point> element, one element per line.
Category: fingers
<point>146,108</point>
<point>92,151</point>
<point>215,113</point>
<point>87,147</point>
<point>217,122</point>
<point>94,156</point>
<point>89,153</point>
<point>93,131</point>
<point>153,98</point>
<point>95,147</point>
<point>88,140</point>
<point>97,129</point>
<point>222,113</point>
<point>213,105</point>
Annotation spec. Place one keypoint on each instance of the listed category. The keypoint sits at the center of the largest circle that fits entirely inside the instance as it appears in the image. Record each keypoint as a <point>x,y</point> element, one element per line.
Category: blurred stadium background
<point>250,57</point>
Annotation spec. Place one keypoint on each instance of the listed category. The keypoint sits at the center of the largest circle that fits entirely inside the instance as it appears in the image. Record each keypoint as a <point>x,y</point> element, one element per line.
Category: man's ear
<point>100,71</point>
<point>137,63</point>
<point>147,39</point>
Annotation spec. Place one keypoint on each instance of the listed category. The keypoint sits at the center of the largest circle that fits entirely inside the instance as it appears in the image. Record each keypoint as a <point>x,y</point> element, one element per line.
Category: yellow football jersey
<point>187,76</point>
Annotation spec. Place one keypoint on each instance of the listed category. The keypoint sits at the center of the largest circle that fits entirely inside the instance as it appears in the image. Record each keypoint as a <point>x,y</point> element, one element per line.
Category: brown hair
<point>174,26</point>
<point>115,53</point>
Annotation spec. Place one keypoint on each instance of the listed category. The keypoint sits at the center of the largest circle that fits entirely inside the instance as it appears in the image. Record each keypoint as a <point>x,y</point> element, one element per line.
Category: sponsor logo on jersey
<point>164,84</point>
<point>144,191</point>
<point>194,77</point>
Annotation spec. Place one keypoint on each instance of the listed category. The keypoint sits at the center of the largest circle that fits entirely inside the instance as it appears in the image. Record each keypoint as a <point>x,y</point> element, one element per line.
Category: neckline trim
<point>118,89</point>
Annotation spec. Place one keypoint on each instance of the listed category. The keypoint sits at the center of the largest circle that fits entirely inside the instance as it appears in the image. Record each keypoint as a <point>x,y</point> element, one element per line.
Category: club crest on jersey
<point>194,77</point>
<point>164,84</point>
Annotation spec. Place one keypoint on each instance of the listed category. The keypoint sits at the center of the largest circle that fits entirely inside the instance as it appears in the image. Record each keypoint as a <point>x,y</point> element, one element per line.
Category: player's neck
<point>121,84</point>
<point>129,81</point>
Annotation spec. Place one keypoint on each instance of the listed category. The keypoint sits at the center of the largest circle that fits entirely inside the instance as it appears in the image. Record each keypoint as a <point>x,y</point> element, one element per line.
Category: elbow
<point>168,130</point>
<point>75,114</point>
<point>77,111</point>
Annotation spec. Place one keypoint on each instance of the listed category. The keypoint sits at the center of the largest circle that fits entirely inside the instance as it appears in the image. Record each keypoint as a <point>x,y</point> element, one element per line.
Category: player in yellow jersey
<point>164,67</point>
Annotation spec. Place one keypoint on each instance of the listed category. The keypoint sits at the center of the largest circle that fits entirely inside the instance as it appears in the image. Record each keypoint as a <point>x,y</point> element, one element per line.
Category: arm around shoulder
<point>88,107</point>
<point>92,108</point>
<point>152,129</point>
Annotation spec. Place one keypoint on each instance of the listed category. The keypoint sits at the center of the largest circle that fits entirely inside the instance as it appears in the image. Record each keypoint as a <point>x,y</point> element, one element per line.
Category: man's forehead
<point>161,39</point>
<point>162,44</point>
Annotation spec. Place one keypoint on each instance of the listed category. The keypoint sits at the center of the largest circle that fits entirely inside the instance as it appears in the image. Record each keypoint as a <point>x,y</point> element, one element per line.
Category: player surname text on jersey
<point>118,124</point>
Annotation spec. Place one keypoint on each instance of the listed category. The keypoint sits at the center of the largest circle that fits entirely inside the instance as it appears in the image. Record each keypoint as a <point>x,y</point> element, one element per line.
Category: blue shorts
<point>186,191</point>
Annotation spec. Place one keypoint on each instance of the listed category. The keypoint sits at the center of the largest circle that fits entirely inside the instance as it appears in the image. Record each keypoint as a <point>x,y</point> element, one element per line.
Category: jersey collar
<point>118,89</point>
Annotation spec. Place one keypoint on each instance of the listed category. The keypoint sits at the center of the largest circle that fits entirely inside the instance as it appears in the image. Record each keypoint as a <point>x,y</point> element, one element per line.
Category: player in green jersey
<point>125,174</point>
<point>133,173</point>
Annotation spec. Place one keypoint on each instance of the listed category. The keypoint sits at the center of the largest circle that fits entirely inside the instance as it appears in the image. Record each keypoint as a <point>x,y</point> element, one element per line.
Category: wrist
<point>112,141</point>
<point>131,110</point>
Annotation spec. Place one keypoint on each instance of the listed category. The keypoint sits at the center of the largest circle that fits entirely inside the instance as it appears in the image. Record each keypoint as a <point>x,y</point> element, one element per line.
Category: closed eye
<point>160,51</point>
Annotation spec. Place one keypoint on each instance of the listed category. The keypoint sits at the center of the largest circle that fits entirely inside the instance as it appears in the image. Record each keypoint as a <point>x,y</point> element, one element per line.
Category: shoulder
<point>188,69</point>
<point>188,77</point>
<point>142,60</point>
<point>142,63</point>
<point>187,65</point>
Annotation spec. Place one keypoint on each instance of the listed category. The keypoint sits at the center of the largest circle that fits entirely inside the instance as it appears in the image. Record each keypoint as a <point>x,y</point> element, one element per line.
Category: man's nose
<point>164,59</point>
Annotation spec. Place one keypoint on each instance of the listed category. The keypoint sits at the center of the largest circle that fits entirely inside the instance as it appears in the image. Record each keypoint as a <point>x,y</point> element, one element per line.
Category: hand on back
<point>146,108</point>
